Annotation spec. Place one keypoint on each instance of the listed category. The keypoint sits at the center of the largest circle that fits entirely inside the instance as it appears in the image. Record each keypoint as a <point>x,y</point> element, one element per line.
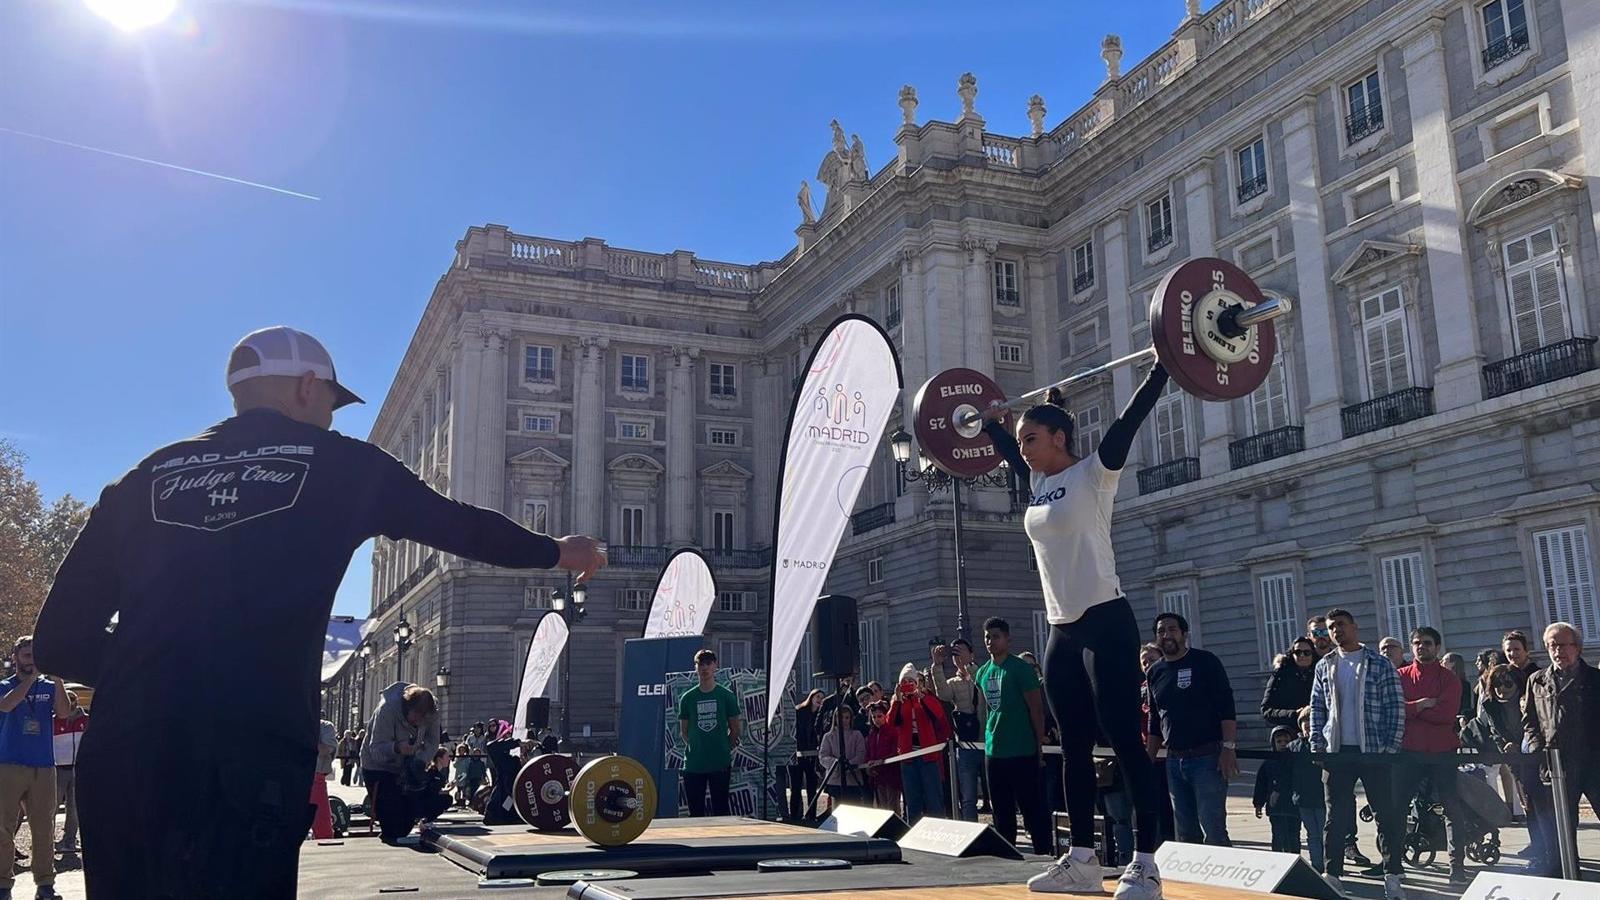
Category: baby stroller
<point>1481,814</point>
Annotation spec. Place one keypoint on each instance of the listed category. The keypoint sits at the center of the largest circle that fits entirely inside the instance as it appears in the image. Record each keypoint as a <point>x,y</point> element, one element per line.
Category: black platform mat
<point>670,846</point>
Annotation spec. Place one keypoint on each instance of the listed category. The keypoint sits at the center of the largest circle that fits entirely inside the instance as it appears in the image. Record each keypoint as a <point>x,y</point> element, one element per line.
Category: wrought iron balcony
<point>1253,188</point>
<point>637,557</point>
<point>1506,48</point>
<point>1170,474</point>
<point>1082,281</point>
<point>1552,362</point>
<point>1007,298</point>
<point>892,320</point>
<point>872,518</point>
<point>1266,445</point>
<point>1390,409</point>
<point>740,559</point>
<point>1363,123</point>
<point>1159,239</point>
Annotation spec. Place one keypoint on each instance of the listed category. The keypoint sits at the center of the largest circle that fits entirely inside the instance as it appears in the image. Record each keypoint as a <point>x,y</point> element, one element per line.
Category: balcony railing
<point>637,557</point>
<point>1159,239</point>
<point>1171,474</point>
<point>1082,281</point>
<point>1266,445</point>
<point>1253,188</point>
<point>1363,122</point>
<point>892,320</point>
<point>1551,362</point>
<point>739,559</point>
<point>1390,409</point>
<point>1506,48</point>
<point>1007,297</point>
<point>872,518</point>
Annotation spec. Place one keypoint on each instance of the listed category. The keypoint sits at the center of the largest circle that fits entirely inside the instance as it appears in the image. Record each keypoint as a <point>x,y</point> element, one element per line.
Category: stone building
<point>1412,172</point>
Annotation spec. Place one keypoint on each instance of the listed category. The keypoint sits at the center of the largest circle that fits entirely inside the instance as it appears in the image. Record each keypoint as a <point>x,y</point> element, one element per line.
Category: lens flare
<point>132,15</point>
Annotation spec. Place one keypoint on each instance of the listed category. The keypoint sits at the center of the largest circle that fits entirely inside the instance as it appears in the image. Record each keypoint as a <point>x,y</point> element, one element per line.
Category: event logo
<point>789,562</point>
<point>841,411</point>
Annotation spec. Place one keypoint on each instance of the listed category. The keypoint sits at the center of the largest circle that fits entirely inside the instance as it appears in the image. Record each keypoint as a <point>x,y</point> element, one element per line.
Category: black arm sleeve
<point>1224,691</point>
<point>410,510</point>
<point>1118,441</point>
<point>70,636</point>
<point>1007,445</point>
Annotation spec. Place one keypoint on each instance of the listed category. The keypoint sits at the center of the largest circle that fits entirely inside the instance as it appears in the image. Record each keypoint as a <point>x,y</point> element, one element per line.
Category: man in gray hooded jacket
<point>403,735</point>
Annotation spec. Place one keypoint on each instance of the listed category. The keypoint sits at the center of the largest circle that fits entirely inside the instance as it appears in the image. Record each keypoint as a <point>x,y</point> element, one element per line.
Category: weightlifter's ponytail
<point>1052,414</point>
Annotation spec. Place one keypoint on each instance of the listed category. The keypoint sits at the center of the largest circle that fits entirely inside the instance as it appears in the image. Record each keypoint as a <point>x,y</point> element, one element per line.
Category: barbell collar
<point>1238,320</point>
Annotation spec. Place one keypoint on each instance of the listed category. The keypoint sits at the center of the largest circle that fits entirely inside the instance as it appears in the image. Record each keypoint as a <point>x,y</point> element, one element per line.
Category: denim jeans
<point>1199,800</point>
<point>969,763</point>
<point>1314,818</point>
<point>924,795</point>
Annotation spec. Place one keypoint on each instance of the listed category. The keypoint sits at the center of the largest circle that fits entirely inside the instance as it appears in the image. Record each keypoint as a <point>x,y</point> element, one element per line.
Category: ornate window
<point>539,364</point>
<point>1387,342</point>
<point>1536,288</point>
<point>1083,267</point>
<point>1005,283</point>
<point>1363,108</point>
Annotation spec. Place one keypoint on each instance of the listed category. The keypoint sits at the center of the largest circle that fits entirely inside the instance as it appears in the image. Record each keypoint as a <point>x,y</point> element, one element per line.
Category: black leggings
<point>1091,676</point>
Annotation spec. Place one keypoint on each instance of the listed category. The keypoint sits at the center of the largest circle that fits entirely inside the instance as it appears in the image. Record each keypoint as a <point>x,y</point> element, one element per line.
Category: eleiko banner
<point>684,594</point>
<point>852,382</point>
<point>548,641</point>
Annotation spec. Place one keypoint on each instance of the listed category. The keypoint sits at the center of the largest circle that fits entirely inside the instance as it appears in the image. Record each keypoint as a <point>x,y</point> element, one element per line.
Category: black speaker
<point>835,642</point>
<point>537,715</point>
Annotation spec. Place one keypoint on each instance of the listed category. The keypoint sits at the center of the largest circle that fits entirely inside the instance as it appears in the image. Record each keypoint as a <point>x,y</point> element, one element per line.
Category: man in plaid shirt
<point>1357,707</point>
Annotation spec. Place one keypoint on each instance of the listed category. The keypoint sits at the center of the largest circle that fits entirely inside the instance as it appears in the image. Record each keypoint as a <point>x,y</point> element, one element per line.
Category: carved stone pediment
<point>1373,255</point>
<point>1519,188</point>
<point>539,461</point>
<point>635,463</point>
<point>726,470</point>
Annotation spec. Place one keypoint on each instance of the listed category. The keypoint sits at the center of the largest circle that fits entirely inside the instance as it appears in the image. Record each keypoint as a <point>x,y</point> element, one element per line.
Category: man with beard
<point>1192,716</point>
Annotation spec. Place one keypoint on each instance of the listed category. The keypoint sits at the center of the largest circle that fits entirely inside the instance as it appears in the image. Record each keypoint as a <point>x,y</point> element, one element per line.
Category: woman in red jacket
<point>917,720</point>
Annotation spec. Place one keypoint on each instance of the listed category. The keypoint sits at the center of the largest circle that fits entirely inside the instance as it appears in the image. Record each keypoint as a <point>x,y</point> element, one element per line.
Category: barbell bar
<point>1210,327</point>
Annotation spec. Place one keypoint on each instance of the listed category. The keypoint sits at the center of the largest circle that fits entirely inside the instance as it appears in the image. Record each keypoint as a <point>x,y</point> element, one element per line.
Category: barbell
<point>1210,328</point>
<point>612,800</point>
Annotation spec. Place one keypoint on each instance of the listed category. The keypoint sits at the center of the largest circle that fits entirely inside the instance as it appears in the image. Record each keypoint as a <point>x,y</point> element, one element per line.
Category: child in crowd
<point>1274,794</point>
<point>459,774</point>
<point>1309,798</point>
<point>842,754</point>
<point>880,746</point>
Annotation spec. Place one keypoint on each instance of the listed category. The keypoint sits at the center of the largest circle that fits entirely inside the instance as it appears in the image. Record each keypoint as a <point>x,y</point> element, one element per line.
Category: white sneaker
<point>1140,881</point>
<point>1069,876</point>
<point>1336,883</point>
<point>1392,889</point>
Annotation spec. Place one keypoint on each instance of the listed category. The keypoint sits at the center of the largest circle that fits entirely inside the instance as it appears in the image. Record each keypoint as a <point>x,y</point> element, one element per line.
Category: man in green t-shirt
<point>709,718</point>
<point>1013,734</point>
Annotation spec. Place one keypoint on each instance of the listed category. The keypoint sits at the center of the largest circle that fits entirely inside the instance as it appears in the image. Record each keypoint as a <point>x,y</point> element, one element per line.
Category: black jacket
<point>1276,777</point>
<point>1306,777</point>
<point>1564,718</point>
<point>221,554</point>
<point>805,729</point>
<point>1497,727</point>
<point>1287,691</point>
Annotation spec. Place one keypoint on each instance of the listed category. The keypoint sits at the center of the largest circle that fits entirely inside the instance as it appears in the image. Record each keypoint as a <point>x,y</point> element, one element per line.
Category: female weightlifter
<point>1091,663</point>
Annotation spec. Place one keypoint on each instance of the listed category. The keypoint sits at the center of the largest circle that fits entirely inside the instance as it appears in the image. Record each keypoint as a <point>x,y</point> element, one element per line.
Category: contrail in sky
<point>157,162</point>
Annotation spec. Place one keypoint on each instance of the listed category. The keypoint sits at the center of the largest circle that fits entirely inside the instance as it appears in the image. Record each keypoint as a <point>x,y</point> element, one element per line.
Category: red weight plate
<point>1183,315</point>
<point>965,452</point>
<point>540,791</point>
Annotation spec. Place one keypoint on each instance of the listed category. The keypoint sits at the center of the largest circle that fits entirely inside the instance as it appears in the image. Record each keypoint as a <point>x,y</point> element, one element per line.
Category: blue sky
<point>655,126</point>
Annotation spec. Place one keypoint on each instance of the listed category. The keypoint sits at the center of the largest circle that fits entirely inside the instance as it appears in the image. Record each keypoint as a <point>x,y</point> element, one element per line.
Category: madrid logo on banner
<point>683,599</point>
<point>851,385</point>
<point>548,641</point>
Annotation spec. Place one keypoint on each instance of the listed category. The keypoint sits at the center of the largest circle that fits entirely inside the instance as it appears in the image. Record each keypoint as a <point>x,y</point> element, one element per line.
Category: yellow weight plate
<point>613,800</point>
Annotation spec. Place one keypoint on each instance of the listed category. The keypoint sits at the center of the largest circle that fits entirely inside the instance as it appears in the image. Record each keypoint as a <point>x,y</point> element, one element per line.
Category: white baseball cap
<point>281,350</point>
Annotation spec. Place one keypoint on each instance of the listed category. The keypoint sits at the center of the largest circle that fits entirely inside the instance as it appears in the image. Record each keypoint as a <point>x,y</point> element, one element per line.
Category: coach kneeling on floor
<point>401,739</point>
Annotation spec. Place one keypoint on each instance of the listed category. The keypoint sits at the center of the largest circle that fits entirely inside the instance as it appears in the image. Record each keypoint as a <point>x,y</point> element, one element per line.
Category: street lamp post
<point>402,640</point>
<point>361,690</point>
<point>938,480</point>
<point>570,612</point>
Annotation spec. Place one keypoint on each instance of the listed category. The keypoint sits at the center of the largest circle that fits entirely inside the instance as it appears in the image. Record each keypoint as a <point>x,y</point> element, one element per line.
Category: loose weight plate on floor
<point>668,846</point>
<point>805,864</point>
<point>573,876</point>
<point>844,886</point>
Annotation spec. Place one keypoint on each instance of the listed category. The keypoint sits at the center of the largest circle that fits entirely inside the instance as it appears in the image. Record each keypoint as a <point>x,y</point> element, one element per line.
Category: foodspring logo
<point>1208,872</point>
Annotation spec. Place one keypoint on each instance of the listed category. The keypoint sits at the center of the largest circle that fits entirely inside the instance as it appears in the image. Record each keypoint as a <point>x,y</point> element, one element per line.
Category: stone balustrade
<point>542,252</point>
<point>633,264</point>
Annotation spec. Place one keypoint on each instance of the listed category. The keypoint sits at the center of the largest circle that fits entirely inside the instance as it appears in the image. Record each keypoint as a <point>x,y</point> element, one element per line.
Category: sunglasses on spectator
<point>1301,652</point>
<point>1320,632</point>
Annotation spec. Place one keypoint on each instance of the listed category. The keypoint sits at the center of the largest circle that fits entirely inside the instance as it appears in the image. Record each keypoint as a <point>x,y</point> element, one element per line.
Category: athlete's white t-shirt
<point>1069,523</point>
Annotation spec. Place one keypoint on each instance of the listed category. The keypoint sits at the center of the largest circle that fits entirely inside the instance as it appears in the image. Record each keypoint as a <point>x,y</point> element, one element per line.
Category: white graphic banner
<point>543,653</point>
<point>684,595</point>
<point>851,385</point>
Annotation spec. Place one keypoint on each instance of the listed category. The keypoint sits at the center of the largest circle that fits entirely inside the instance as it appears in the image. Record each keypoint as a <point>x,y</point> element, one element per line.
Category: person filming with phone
<point>400,741</point>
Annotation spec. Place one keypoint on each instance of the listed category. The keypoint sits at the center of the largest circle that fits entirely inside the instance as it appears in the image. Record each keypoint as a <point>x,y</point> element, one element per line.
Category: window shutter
<point>1388,363</point>
<point>1547,295</point>
<point>1279,615</point>
<point>1524,312</point>
<point>1535,290</point>
<point>1405,594</point>
<point>1567,580</point>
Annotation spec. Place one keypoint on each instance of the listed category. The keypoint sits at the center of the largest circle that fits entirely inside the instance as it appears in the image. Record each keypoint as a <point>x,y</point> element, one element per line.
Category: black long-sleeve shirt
<point>1118,439</point>
<point>221,554</point>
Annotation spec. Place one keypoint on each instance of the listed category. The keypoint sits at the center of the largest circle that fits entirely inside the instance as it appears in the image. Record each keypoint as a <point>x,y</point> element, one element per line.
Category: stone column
<point>770,406</point>
<point>914,363</point>
<point>1040,275</point>
<point>1315,311</point>
<point>1115,242</point>
<point>491,442</point>
<point>1458,380</point>
<point>943,307</point>
<point>1581,27</point>
<point>681,504</point>
<point>464,427</point>
<point>1216,422</point>
<point>978,308</point>
<point>588,439</point>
